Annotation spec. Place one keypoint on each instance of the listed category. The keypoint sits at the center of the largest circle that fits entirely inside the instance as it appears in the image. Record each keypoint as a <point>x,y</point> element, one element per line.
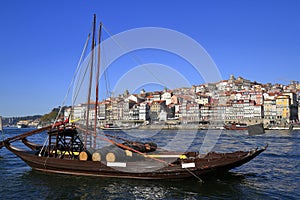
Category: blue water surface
<point>275,174</point>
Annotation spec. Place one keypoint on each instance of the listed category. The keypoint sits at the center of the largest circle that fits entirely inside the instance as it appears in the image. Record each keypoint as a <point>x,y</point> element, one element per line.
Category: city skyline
<point>224,93</point>
<point>41,42</point>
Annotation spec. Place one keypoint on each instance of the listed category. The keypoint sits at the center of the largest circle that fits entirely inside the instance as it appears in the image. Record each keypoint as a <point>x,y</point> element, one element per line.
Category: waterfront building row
<point>188,110</point>
<point>229,100</point>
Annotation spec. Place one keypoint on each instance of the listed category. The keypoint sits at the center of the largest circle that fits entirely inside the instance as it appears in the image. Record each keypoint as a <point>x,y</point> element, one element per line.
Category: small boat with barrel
<point>236,126</point>
<point>113,127</point>
<point>75,147</point>
<point>253,129</point>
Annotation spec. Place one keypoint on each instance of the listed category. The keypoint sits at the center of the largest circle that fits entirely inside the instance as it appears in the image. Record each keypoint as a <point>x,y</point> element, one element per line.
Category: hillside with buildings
<point>234,100</point>
<point>32,121</point>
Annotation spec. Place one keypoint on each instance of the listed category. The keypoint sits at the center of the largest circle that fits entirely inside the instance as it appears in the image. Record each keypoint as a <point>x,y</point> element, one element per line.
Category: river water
<point>275,174</point>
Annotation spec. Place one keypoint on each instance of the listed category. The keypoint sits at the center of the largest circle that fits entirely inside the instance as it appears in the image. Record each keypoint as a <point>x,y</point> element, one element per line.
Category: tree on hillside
<point>50,117</point>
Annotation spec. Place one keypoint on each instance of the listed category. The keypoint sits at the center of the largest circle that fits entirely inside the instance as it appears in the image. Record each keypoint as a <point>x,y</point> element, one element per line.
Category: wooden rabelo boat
<point>65,154</point>
<point>72,148</point>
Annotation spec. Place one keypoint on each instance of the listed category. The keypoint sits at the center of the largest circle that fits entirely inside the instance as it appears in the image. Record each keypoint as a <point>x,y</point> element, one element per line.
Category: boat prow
<point>31,145</point>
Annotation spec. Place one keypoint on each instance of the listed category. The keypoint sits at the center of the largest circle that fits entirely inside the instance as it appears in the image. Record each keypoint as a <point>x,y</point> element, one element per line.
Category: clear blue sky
<point>41,41</point>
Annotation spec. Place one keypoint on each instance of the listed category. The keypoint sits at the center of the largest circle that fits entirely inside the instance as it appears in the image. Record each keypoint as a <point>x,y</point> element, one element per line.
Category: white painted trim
<point>116,164</point>
<point>188,165</point>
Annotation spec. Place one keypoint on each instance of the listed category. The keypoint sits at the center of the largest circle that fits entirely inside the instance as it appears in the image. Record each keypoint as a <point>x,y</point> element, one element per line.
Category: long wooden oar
<point>24,135</point>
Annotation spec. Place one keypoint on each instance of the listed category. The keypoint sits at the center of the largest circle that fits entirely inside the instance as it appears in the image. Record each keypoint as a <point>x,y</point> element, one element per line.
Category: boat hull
<point>210,164</point>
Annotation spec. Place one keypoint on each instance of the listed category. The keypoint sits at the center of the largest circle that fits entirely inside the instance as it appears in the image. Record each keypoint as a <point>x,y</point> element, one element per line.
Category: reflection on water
<point>272,175</point>
<point>72,187</point>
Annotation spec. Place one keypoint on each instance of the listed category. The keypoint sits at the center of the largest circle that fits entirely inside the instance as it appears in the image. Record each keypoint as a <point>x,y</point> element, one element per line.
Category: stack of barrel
<point>127,152</point>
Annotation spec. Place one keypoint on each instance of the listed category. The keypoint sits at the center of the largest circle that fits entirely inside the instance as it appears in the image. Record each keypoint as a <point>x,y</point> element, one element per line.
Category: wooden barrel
<point>116,155</point>
<point>128,153</point>
<point>97,156</point>
<point>150,146</point>
<point>86,154</point>
<point>141,147</point>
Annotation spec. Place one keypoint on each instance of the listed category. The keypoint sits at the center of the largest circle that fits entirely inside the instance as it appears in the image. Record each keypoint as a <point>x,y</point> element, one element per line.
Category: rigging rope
<point>72,82</point>
<point>135,58</point>
<point>80,85</point>
<point>43,147</point>
<point>197,177</point>
<point>73,79</point>
<point>79,64</point>
<point>105,72</point>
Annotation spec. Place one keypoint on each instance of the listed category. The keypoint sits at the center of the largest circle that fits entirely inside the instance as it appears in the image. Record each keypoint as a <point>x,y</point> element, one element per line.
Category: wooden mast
<point>90,83</point>
<point>97,86</point>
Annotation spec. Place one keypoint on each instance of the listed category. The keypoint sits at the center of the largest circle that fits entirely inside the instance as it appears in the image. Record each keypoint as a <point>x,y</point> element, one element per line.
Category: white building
<point>162,116</point>
<point>270,109</point>
<point>167,97</point>
<point>79,112</point>
<point>143,111</point>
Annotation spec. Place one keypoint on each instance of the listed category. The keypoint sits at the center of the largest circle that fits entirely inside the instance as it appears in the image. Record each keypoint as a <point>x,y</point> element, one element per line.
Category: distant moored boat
<point>236,126</point>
